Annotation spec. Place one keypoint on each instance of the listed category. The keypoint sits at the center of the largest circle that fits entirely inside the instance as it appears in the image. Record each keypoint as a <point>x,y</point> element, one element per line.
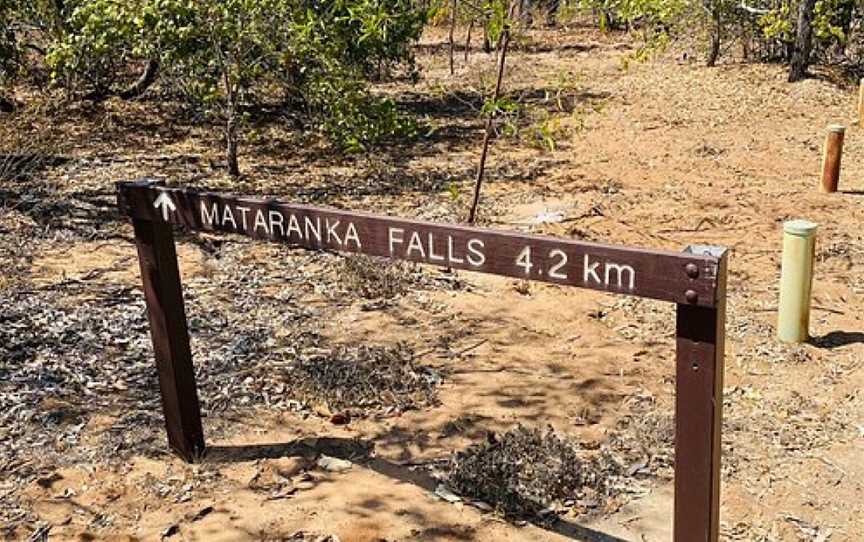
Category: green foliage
<point>354,120</point>
<point>496,18</point>
<point>612,13</point>
<point>502,106</point>
<point>769,25</point>
<point>220,54</point>
<point>832,21</point>
<point>665,12</point>
<point>544,132</point>
<point>778,23</point>
<point>8,45</point>
<point>98,44</point>
<point>653,43</point>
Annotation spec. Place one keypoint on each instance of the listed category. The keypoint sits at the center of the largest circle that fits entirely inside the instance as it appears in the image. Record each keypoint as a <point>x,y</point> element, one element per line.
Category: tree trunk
<point>714,51</point>
<point>231,136</point>
<point>803,42</point>
<point>552,12</point>
<point>487,43</point>
<point>231,99</point>
<point>505,39</point>
<point>716,25</point>
<point>144,81</point>
<point>526,12</point>
<point>60,9</point>
<point>468,39</point>
<point>452,29</point>
<point>231,150</point>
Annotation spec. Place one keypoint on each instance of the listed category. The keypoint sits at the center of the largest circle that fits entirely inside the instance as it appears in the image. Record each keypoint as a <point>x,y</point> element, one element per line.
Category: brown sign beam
<point>669,276</point>
<point>695,280</point>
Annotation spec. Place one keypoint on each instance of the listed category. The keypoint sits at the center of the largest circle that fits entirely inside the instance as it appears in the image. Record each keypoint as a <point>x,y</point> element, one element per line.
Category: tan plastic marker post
<point>796,280</point>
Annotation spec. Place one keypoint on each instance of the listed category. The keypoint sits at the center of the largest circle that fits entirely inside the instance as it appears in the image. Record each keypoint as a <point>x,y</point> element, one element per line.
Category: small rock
<point>47,481</point>
<point>303,485</point>
<point>636,467</point>
<point>321,409</point>
<point>200,514</point>
<point>334,464</point>
<point>444,492</point>
<point>546,511</point>
<point>548,217</point>
<point>485,507</point>
<point>282,493</point>
<point>289,467</point>
<point>588,503</point>
<point>170,531</point>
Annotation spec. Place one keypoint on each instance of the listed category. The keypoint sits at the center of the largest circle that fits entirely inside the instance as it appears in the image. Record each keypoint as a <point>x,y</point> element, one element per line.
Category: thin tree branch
<point>505,40</point>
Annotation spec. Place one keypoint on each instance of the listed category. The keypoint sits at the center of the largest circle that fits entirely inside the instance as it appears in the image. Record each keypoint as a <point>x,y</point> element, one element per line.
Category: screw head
<point>692,270</point>
<point>691,296</point>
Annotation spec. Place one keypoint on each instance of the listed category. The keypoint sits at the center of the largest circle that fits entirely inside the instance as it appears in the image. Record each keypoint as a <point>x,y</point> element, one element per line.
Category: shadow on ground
<point>360,452</point>
<point>837,339</point>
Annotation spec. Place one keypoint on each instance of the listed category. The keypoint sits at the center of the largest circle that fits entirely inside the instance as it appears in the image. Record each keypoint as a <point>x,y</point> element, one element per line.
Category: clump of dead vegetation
<point>25,153</point>
<point>645,438</point>
<point>529,473</point>
<point>372,278</point>
<point>364,378</point>
<point>378,278</point>
<point>537,475</point>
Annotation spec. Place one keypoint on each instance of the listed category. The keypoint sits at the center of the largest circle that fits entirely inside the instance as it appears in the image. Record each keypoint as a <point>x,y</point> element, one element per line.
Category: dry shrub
<point>364,378</point>
<point>23,154</point>
<point>378,278</point>
<point>526,471</point>
<point>374,278</point>
<point>646,438</point>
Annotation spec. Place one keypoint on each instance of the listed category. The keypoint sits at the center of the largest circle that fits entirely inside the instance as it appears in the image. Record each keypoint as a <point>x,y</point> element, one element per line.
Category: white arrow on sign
<point>164,201</point>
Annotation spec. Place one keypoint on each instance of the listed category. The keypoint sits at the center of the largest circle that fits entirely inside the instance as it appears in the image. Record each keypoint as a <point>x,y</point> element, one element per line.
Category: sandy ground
<point>661,154</point>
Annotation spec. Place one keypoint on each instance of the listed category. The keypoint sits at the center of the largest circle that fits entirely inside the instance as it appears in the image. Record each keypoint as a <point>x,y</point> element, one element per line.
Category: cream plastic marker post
<point>796,279</point>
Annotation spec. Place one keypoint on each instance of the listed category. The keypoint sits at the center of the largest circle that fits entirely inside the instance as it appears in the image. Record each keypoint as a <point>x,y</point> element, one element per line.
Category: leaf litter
<point>80,348</point>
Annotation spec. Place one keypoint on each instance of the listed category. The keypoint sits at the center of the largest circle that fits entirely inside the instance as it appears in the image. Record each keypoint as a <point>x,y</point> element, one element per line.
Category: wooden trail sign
<point>695,280</point>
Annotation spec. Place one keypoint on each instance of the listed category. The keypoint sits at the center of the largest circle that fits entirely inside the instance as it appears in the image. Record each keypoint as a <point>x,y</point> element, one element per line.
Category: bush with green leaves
<point>615,14</point>
<point>9,51</point>
<point>833,23</point>
<point>222,55</point>
<point>765,29</point>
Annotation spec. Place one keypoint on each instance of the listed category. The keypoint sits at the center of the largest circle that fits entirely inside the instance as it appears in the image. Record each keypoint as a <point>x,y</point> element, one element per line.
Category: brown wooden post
<point>833,152</point>
<point>162,290</point>
<point>700,339</point>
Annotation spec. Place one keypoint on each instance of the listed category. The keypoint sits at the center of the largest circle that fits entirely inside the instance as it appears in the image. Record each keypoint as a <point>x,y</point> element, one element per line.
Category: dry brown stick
<point>452,29</point>
<point>468,349</point>
<point>468,39</point>
<point>505,40</point>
